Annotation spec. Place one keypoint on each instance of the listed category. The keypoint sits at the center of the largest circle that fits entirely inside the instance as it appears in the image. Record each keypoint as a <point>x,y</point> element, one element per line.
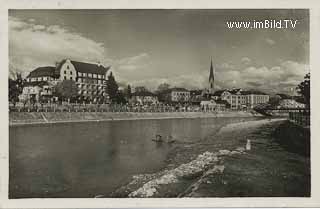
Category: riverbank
<point>25,118</point>
<point>222,167</point>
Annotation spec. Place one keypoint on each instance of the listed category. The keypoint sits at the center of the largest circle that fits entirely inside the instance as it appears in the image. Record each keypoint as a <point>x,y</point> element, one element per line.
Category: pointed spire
<point>211,75</point>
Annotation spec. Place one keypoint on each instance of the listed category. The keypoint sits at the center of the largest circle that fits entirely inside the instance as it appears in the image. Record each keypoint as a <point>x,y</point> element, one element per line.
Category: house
<point>89,77</point>
<point>240,99</point>
<point>176,95</point>
<point>144,97</point>
<point>36,90</point>
<point>213,105</point>
<point>290,103</point>
<point>196,96</point>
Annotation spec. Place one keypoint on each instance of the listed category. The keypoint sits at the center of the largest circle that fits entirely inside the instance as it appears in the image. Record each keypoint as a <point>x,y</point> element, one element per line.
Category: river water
<point>92,158</point>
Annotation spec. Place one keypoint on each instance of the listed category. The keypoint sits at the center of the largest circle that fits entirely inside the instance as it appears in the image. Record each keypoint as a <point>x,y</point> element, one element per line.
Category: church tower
<point>211,79</point>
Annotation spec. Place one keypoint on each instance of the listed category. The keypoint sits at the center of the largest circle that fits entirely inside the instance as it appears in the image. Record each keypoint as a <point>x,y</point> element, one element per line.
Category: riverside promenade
<point>25,118</point>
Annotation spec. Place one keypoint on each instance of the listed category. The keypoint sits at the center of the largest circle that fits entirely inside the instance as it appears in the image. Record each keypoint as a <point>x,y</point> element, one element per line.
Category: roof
<point>219,101</point>
<point>196,92</point>
<point>84,67</point>
<point>179,89</point>
<point>256,92</point>
<point>36,83</point>
<point>218,93</point>
<point>143,93</point>
<point>173,89</point>
<point>90,68</point>
<point>43,71</point>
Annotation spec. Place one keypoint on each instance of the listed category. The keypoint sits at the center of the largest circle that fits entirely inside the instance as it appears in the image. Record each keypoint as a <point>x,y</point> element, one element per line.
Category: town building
<point>176,95</point>
<point>89,77</point>
<point>212,105</point>
<point>240,99</point>
<point>290,103</point>
<point>144,97</point>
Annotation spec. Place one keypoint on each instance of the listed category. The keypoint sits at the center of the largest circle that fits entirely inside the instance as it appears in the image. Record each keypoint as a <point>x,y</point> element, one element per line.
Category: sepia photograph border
<point>313,201</point>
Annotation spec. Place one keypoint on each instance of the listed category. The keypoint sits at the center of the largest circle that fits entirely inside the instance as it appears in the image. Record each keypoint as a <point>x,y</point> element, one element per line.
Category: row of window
<point>91,75</point>
<point>88,86</point>
<point>92,81</point>
<point>44,78</point>
<point>91,92</point>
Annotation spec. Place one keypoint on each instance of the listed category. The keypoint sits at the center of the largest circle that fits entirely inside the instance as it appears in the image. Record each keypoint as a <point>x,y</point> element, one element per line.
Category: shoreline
<point>38,118</point>
<point>211,170</point>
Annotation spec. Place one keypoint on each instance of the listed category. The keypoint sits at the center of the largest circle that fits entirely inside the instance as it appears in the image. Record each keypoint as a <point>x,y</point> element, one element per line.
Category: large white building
<point>240,99</point>
<point>89,77</point>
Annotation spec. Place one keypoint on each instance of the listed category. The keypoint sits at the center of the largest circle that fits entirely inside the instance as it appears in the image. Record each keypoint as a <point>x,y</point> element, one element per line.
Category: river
<point>88,159</point>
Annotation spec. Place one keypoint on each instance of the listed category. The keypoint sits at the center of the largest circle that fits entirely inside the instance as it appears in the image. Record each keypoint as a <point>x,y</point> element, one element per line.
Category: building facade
<point>176,95</point>
<point>240,99</point>
<point>144,97</point>
<point>90,78</point>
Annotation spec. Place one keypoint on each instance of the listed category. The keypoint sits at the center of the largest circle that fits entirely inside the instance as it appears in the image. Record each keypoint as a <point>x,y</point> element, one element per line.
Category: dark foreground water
<point>93,158</point>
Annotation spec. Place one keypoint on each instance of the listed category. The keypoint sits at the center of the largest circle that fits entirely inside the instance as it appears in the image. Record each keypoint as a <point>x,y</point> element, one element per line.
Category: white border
<point>314,201</point>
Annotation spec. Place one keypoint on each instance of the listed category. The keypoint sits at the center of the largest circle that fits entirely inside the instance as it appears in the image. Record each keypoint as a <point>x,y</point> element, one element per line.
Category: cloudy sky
<point>149,47</point>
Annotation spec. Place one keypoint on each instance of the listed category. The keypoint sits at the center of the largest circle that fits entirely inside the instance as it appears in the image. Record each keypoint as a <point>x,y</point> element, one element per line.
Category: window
<point>65,72</point>
<point>65,77</point>
<point>67,66</point>
<point>70,72</point>
<point>70,78</point>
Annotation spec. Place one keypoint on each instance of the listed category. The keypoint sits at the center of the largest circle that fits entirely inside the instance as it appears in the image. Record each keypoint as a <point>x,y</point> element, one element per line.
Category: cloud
<point>245,60</point>
<point>288,74</point>
<point>32,45</point>
<point>270,41</point>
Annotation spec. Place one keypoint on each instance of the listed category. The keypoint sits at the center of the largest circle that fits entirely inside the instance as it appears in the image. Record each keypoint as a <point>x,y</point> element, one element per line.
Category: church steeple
<point>211,79</point>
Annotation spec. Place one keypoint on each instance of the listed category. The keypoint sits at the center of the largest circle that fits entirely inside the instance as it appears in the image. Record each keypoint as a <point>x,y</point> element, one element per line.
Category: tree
<point>163,87</point>
<point>67,89</point>
<point>112,87</point>
<point>15,88</point>
<point>120,98</point>
<point>304,89</point>
<point>128,92</point>
<point>274,100</point>
<point>141,89</point>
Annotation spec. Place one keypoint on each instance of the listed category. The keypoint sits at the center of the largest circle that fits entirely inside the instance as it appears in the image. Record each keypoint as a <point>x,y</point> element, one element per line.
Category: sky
<point>150,47</point>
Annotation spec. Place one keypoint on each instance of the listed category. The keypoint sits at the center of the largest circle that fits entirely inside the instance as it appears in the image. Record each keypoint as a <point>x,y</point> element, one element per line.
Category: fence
<point>301,118</point>
<point>106,108</point>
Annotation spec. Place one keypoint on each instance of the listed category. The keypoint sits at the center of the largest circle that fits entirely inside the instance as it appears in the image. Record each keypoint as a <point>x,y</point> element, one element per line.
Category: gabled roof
<point>84,67</point>
<point>90,68</point>
<point>43,71</point>
<point>218,93</point>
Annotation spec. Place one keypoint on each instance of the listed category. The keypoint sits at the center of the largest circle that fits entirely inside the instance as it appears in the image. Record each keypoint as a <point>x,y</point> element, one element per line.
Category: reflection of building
<point>90,78</point>
<point>180,95</point>
<point>144,97</point>
<point>239,99</point>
